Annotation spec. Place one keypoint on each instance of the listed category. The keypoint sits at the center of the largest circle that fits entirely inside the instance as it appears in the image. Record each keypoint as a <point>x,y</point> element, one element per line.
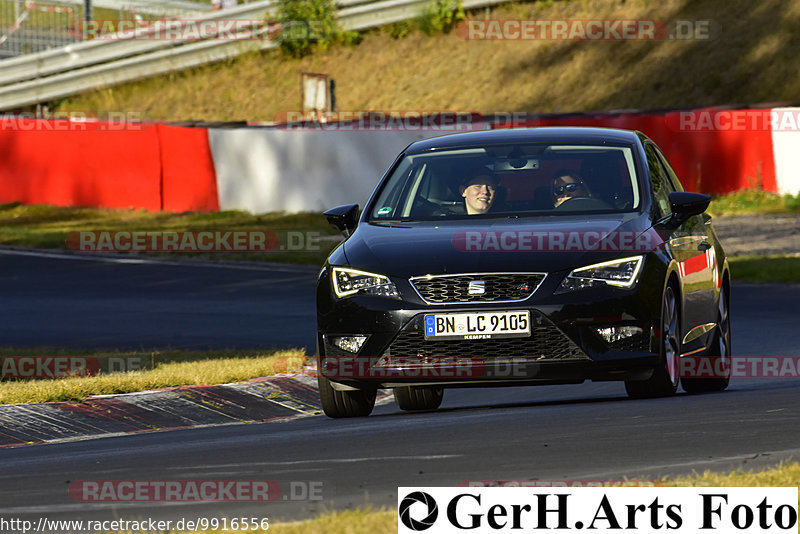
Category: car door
<point>689,245</point>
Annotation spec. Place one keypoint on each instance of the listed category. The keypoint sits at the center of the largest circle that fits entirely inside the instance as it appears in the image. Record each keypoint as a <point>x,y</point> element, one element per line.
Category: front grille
<point>443,289</point>
<point>546,343</point>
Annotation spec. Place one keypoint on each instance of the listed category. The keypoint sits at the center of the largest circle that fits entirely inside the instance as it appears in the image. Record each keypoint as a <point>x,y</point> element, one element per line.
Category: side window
<point>387,206</point>
<point>413,190</point>
<point>676,183</point>
<point>660,183</point>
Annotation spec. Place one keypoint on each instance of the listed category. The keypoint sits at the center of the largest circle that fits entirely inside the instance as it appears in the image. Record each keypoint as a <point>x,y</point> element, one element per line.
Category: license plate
<point>478,325</point>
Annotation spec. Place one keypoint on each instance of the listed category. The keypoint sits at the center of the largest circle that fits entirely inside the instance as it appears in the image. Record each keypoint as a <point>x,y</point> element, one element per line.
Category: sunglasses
<point>569,188</point>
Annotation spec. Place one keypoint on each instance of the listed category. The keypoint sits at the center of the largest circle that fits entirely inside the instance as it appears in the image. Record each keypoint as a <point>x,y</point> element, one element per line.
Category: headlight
<point>349,282</point>
<point>618,273</point>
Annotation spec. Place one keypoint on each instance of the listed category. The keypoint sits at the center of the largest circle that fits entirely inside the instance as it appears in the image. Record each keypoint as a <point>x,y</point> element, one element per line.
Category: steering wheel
<point>584,203</point>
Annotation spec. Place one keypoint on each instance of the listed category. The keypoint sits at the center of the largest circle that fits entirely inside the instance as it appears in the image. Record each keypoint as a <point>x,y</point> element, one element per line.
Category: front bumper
<point>564,347</point>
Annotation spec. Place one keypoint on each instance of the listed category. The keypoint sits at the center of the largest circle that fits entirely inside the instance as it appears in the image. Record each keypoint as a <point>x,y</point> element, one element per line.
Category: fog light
<point>617,333</point>
<point>349,343</point>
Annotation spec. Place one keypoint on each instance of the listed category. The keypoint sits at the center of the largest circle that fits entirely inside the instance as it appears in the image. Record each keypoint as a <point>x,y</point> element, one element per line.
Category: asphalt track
<point>94,302</point>
<point>585,432</point>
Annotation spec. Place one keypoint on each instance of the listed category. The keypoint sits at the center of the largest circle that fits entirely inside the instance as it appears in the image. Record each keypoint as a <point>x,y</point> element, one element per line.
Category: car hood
<point>543,244</point>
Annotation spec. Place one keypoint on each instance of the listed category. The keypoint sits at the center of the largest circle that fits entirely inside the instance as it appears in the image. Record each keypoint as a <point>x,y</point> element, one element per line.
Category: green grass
<point>48,226</point>
<point>167,368</point>
<point>358,521</point>
<point>754,201</point>
<point>399,67</point>
<point>774,269</point>
<point>785,474</point>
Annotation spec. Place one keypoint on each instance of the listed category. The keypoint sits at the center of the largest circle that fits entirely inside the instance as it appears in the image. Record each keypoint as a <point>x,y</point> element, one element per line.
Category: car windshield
<point>518,180</point>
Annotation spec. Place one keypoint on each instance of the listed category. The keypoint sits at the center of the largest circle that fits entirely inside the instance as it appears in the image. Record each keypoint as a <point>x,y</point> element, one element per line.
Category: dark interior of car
<point>527,188</point>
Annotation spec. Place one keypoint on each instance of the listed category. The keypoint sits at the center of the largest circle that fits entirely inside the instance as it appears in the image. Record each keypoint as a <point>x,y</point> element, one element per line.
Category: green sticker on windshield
<point>384,210</point>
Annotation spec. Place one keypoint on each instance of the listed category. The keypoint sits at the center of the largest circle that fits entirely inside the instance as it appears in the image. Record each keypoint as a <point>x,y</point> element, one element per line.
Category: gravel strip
<point>759,234</point>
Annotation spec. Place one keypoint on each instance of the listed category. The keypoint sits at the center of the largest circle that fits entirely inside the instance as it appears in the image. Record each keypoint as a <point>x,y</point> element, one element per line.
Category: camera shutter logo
<point>404,511</point>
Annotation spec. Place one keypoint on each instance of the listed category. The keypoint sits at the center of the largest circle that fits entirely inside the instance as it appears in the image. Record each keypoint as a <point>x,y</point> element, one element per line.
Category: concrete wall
<point>262,170</point>
<point>786,151</point>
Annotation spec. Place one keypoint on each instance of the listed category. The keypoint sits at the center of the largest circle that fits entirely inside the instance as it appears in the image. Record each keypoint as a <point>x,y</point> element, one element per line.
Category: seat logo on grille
<point>476,287</point>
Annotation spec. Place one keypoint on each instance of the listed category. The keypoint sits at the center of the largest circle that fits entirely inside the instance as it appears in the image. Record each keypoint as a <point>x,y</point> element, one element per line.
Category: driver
<point>566,185</point>
<point>479,192</point>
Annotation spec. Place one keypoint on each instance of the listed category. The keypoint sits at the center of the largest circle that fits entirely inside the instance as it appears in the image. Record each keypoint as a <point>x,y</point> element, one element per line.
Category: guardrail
<point>90,65</point>
<point>145,6</point>
<point>150,6</point>
<point>87,53</point>
<point>28,27</point>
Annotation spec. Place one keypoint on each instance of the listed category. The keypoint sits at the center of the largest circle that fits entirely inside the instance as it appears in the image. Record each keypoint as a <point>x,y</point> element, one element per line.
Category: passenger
<point>566,185</point>
<point>479,192</point>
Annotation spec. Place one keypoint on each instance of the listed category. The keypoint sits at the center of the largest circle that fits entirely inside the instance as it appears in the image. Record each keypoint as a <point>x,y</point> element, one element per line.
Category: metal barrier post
<point>87,16</point>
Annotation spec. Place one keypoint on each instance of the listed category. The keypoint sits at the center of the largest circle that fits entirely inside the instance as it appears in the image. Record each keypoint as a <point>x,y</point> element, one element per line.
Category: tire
<point>720,349</point>
<point>420,398</point>
<point>664,380</point>
<point>353,403</point>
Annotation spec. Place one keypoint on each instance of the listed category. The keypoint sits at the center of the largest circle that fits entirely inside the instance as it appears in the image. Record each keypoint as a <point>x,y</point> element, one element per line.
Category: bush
<point>441,16</point>
<point>305,23</point>
<point>398,30</point>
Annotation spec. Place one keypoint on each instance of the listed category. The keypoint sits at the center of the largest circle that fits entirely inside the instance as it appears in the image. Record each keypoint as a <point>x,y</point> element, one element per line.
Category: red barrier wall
<point>101,164</point>
<point>68,164</point>
<point>189,182</point>
<point>714,161</point>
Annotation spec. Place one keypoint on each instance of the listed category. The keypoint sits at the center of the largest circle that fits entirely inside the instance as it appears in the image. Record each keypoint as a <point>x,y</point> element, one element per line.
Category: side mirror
<point>685,205</point>
<point>345,218</point>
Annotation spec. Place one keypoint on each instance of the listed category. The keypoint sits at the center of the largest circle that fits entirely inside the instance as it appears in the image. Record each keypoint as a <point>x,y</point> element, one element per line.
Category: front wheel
<point>719,353</point>
<point>418,398</point>
<point>351,403</point>
<point>664,380</point>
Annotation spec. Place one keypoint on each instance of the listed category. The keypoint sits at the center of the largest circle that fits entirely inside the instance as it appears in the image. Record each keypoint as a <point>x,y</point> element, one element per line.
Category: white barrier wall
<point>263,170</point>
<point>786,151</point>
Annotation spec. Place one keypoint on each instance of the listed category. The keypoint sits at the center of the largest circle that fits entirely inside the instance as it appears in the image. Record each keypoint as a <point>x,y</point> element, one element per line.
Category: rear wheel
<point>719,352</point>
<point>351,403</point>
<point>418,398</point>
<point>664,380</point>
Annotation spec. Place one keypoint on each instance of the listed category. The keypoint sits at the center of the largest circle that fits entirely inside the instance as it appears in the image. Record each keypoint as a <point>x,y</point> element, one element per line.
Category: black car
<point>522,257</point>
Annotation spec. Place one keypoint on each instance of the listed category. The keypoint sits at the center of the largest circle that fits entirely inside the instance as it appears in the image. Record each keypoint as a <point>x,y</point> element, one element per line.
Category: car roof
<point>561,134</point>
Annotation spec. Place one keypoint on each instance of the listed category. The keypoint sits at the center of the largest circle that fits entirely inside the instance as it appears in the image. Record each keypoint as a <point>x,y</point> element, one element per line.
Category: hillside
<point>750,59</point>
